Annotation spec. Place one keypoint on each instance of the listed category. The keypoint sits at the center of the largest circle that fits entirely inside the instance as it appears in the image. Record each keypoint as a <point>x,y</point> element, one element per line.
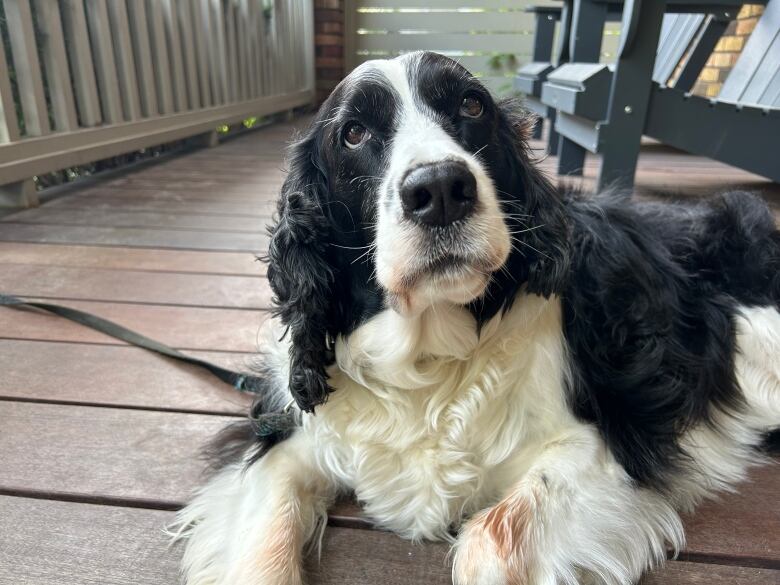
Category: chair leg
<point>553,139</point>
<point>536,133</point>
<point>618,163</point>
<point>571,157</point>
<point>630,93</point>
<point>585,36</point>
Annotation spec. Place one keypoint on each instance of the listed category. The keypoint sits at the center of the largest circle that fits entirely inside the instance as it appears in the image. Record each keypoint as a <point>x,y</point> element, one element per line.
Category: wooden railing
<point>91,79</point>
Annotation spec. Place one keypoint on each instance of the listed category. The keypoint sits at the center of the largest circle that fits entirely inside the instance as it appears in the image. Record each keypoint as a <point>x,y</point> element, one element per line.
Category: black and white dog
<point>550,377</point>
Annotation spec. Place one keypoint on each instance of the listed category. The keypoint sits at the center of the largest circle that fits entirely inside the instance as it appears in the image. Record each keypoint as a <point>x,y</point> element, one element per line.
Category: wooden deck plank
<point>58,543</point>
<point>117,258</point>
<point>195,328</point>
<point>141,238</point>
<point>139,219</point>
<point>168,204</point>
<point>744,527</point>
<point>131,456</point>
<point>43,441</point>
<point>116,376</point>
<point>204,290</point>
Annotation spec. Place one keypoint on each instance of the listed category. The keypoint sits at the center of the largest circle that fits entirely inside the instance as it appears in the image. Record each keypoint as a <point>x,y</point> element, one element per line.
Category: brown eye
<point>471,107</point>
<point>355,135</point>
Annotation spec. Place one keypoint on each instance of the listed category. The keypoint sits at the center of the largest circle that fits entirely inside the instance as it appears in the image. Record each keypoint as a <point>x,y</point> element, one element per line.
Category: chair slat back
<point>677,33</point>
<point>755,78</point>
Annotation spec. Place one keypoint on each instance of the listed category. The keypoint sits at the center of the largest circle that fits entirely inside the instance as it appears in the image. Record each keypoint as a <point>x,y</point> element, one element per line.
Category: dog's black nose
<point>439,194</point>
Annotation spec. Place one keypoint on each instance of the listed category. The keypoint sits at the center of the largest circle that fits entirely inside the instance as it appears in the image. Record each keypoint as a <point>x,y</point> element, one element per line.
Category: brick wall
<point>727,51</point>
<point>329,45</point>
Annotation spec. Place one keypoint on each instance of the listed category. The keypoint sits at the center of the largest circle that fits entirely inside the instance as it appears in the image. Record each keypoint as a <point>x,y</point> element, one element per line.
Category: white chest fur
<point>431,421</point>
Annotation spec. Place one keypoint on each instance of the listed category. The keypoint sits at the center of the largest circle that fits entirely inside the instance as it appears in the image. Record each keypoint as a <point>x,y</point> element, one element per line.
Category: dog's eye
<point>471,107</point>
<point>355,135</point>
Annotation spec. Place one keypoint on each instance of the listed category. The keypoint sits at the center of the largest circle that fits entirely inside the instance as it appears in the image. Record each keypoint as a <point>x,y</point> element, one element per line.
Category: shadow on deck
<point>99,441</point>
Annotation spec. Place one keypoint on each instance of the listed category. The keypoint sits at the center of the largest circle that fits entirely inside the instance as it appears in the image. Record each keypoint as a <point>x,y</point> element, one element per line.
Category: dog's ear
<point>542,238</point>
<point>301,276</point>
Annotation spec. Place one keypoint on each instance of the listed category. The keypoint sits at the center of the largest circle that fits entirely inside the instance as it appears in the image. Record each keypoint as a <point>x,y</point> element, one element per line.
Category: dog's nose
<point>439,194</point>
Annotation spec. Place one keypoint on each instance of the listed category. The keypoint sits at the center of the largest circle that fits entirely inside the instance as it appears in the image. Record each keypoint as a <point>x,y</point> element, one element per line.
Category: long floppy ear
<point>543,240</point>
<point>301,276</point>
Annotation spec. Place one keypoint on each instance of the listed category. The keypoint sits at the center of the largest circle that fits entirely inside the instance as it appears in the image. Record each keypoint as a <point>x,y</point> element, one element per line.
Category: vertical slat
<point>200,37</point>
<point>188,51</point>
<point>219,49</point>
<point>174,52</point>
<point>26,65</point>
<point>244,82</point>
<point>103,56</point>
<point>261,62</point>
<point>9,127</point>
<point>232,50</point>
<point>128,82</point>
<point>82,66</point>
<point>210,43</point>
<point>139,34</point>
<point>162,66</point>
<point>55,60</point>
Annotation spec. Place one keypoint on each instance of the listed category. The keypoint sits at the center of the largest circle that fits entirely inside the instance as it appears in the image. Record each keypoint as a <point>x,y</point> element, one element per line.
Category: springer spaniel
<point>542,378</point>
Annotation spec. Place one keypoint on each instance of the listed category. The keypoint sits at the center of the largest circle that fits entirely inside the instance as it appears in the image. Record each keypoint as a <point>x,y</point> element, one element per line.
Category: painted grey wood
<point>630,92</point>
<point>33,156</point>
<point>232,50</point>
<point>126,68</point>
<point>676,47</point>
<point>173,36</point>
<point>142,50</point>
<point>9,127</point>
<point>201,56</point>
<point>695,60</point>
<point>769,67</point>
<point>82,65</point>
<point>103,56</point>
<point>189,54</point>
<point>699,126</point>
<point>29,80</point>
<point>160,57</point>
<point>585,37</point>
<point>52,44</point>
<point>753,54</point>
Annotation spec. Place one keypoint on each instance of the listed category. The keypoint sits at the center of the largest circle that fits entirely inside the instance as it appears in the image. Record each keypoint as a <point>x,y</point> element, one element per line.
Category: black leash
<point>265,424</point>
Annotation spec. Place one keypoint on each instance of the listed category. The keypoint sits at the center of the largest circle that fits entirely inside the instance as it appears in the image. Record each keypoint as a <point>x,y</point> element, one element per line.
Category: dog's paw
<point>494,548</point>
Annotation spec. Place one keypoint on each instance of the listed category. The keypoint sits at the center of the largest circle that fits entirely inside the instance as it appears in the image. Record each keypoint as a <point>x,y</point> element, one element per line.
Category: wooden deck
<point>99,442</point>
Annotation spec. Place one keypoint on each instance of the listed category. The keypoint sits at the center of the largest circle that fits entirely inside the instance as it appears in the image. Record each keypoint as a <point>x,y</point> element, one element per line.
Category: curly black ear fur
<point>536,216</point>
<point>301,276</point>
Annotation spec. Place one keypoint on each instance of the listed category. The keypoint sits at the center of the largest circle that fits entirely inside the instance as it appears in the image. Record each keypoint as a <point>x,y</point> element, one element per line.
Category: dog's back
<point>653,313</point>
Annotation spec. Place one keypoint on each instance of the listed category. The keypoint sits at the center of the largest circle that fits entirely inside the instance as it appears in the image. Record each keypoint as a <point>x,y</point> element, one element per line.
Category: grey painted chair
<point>607,110</point>
<point>530,77</point>
<point>742,126</point>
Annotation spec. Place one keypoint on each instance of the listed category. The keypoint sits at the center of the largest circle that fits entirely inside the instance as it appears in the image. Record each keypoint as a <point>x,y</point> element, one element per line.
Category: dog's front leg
<point>573,517</point>
<point>250,525</point>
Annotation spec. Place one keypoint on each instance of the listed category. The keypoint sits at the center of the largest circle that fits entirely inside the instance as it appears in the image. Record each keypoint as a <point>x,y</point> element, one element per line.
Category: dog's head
<point>412,187</point>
